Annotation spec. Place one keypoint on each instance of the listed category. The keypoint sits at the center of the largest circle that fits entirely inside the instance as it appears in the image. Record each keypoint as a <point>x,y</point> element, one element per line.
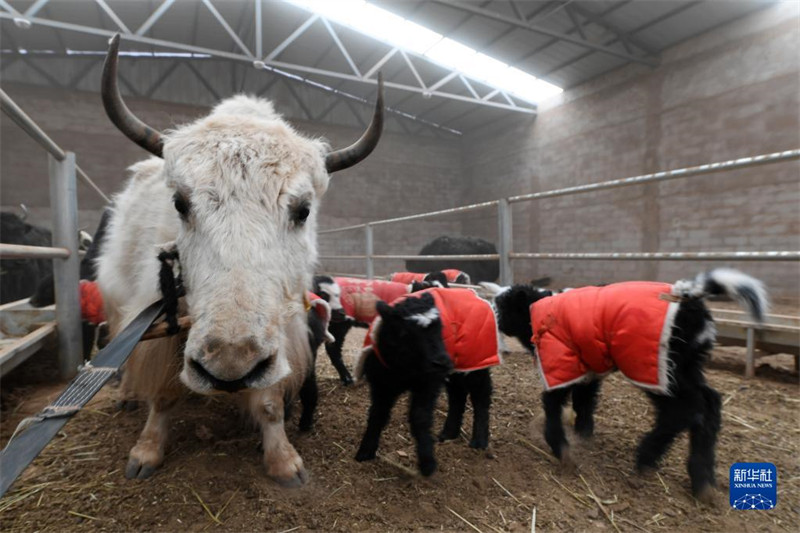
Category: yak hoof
<point>297,480</point>
<point>143,461</point>
<point>347,380</point>
<point>138,470</point>
<point>128,405</point>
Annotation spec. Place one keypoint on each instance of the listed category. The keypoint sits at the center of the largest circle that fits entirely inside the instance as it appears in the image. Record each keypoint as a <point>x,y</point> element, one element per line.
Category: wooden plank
<point>24,347</point>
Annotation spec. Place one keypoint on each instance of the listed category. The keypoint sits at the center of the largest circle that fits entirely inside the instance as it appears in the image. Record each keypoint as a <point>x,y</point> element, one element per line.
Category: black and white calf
<point>342,321</point>
<point>408,349</point>
<point>658,335</point>
<point>319,318</point>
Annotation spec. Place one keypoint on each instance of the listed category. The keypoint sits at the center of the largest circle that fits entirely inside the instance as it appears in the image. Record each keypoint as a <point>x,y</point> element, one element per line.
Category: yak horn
<point>148,138</point>
<point>358,151</point>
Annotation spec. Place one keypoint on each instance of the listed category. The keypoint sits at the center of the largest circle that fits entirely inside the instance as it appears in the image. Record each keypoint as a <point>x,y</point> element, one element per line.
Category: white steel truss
<point>494,98</point>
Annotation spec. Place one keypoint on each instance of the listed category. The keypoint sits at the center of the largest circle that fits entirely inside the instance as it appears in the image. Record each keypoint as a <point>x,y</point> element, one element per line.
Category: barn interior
<point>505,120</point>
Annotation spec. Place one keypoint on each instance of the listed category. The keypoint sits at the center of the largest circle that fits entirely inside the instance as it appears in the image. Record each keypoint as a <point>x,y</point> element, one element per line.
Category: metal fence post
<point>506,240</point>
<point>368,251</point>
<point>66,272</point>
<point>750,355</point>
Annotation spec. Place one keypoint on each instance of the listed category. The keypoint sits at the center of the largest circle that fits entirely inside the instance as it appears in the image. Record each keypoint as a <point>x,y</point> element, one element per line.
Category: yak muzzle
<point>256,374</point>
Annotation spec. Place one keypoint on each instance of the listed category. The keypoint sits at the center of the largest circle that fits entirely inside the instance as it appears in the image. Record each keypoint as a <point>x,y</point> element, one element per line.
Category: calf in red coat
<point>450,275</point>
<point>658,335</point>
<point>352,302</point>
<point>414,344</point>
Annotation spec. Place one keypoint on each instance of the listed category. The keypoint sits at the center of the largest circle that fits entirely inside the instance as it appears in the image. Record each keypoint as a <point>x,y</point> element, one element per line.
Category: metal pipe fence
<point>63,173</point>
<point>504,215</point>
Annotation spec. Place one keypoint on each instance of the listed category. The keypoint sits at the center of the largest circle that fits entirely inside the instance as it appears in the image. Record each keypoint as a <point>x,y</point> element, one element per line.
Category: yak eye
<point>181,205</point>
<point>300,214</point>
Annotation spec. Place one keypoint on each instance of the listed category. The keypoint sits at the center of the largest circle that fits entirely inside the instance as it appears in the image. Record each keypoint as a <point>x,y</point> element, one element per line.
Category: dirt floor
<point>212,479</point>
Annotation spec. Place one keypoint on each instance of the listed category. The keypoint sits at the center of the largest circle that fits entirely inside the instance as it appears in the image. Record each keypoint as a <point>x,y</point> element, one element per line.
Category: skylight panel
<point>385,26</point>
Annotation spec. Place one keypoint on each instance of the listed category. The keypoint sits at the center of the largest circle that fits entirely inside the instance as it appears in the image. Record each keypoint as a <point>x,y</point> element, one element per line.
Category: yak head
<point>245,190</point>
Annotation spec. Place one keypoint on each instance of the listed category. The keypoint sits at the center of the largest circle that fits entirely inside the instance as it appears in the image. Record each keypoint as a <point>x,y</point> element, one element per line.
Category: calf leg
<point>420,417</point>
<point>479,384</point>
<point>702,441</point>
<point>554,430</point>
<point>334,351</point>
<point>456,403</point>
<point>308,398</point>
<point>673,415</point>
<point>148,453</point>
<point>383,399</point>
<point>584,402</point>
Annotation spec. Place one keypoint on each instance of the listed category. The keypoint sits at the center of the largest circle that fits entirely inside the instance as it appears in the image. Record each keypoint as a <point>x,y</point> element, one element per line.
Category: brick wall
<point>730,93</point>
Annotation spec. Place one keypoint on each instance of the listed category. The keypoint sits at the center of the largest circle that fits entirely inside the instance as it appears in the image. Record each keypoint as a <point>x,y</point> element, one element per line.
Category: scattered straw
<point>594,497</point>
<point>533,521</point>
<point>219,513</point>
<point>86,516</point>
<point>22,494</point>
<point>571,493</point>
<point>290,530</point>
<point>407,471</point>
<point>335,491</point>
<point>666,490</point>
<point>507,491</point>
<point>205,507</point>
<point>634,524</point>
<point>470,524</point>
<point>535,448</point>
<point>739,420</point>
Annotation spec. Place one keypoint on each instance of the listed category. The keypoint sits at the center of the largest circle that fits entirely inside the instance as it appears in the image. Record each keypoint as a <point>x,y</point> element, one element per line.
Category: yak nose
<point>231,366</point>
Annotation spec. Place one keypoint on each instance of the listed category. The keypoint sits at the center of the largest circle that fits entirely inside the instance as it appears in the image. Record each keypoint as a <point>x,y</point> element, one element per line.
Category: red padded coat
<point>469,330</point>
<point>407,277</point>
<point>359,296</point>
<point>594,330</point>
<point>91,303</point>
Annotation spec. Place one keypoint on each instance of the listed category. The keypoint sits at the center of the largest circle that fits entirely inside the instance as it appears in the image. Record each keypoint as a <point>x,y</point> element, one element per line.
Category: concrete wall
<point>403,175</point>
<point>730,93</point>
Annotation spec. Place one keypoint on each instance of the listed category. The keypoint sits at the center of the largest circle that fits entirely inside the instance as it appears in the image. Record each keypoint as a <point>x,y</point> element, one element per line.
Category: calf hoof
<point>448,434</point>
<point>707,495</point>
<point>568,465</point>
<point>347,380</point>
<point>427,466</point>
<point>305,425</point>
<point>143,462</point>
<point>365,455</point>
<point>584,432</point>
<point>479,444</point>
<point>646,470</point>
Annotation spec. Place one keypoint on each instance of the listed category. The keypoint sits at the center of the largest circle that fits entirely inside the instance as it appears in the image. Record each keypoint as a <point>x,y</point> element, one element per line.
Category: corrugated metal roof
<point>565,42</point>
